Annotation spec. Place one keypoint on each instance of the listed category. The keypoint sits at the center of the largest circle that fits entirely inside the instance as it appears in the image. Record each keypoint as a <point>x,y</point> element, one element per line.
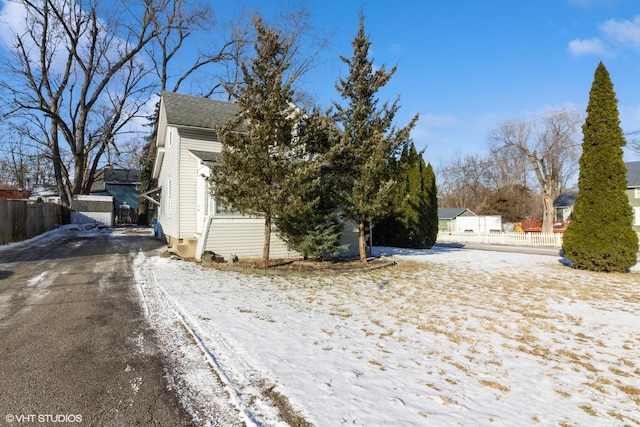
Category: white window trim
<point>636,215</point>
<point>637,193</point>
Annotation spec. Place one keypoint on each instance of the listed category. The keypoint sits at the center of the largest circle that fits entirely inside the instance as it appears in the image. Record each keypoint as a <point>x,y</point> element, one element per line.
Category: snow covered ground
<point>446,337</point>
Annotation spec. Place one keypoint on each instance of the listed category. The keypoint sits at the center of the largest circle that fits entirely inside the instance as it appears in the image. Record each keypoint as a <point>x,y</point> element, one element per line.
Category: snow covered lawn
<point>446,337</point>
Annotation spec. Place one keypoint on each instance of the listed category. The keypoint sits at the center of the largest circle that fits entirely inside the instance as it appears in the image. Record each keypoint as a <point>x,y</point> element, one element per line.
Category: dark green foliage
<point>315,235</point>
<point>430,210</point>
<point>601,237</point>
<point>414,220</point>
<point>370,142</point>
<point>510,202</point>
<point>315,232</point>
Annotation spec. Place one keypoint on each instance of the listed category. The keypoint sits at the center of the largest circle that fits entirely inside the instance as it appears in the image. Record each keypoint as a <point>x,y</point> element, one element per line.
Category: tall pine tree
<point>601,237</point>
<point>262,166</point>
<point>370,141</point>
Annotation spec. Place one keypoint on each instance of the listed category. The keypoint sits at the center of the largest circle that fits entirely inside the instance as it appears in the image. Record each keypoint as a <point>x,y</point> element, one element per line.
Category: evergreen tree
<point>390,230</point>
<point>369,142</point>
<point>430,209</point>
<point>414,220</point>
<point>316,232</point>
<point>262,167</point>
<point>601,237</point>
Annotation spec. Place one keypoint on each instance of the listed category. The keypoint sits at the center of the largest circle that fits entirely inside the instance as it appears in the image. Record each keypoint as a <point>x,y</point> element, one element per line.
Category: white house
<point>459,220</point>
<point>189,218</point>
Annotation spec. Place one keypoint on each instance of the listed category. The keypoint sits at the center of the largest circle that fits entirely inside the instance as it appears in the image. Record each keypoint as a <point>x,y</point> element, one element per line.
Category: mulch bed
<point>288,266</point>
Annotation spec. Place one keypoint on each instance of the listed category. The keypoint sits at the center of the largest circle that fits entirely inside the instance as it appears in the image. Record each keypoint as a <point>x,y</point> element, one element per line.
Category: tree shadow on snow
<point>4,274</point>
<point>438,248</point>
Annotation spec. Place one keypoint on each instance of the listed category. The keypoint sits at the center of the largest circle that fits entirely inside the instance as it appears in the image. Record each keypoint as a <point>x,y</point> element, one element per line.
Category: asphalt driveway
<point>74,345</point>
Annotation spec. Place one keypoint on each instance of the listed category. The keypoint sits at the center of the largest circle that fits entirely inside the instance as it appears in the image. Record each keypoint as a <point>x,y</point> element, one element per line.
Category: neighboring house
<point>563,205</point>
<point>563,210</point>
<point>447,218</point>
<point>463,220</point>
<point>124,186</point>
<point>189,218</point>
<point>633,191</point>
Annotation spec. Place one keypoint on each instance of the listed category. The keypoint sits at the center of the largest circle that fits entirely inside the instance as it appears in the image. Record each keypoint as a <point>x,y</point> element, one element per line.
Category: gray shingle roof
<point>119,176</point>
<point>568,198</point>
<point>633,174</point>
<point>449,213</point>
<point>192,111</point>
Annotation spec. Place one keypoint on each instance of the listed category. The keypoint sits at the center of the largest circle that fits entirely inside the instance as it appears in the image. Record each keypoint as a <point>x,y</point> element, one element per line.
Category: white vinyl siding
<point>244,237</point>
<point>169,215</point>
<point>637,193</point>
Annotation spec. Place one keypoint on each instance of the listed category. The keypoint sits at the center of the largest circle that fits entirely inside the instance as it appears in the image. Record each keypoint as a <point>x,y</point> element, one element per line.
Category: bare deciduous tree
<point>173,68</point>
<point>633,141</point>
<point>551,147</point>
<point>77,81</point>
<point>498,185</point>
<point>75,75</point>
<point>466,183</point>
<point>22,166</point>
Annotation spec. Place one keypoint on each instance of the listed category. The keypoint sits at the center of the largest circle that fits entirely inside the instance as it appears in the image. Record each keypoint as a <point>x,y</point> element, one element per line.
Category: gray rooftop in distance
<point>566,199</point>
<point>633,174</point>
<point>449,213</point>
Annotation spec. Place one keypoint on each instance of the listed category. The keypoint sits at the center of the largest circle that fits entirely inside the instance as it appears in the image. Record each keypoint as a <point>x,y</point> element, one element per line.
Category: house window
<point>563,214</point>
<point>559,214</point>
<point>636,216</point>
<point>209,208</point>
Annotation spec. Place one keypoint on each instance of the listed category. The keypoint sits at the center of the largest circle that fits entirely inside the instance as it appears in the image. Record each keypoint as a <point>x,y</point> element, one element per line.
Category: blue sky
<point>468,66</point>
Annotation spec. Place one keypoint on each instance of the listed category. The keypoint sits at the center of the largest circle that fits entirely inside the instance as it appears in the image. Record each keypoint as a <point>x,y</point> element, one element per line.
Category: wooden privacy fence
<point>553,240</point>
<point>21,220</point>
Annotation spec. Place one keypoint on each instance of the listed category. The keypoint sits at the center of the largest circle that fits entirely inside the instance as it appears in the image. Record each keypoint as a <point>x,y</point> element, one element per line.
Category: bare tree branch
<point>550,145</point>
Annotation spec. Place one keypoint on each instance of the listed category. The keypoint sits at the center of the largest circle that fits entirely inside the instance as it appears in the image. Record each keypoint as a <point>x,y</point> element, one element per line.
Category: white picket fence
<point>549,240</point>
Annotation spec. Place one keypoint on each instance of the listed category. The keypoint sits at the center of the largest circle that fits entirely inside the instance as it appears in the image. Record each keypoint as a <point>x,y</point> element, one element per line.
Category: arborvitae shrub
<point>601,237</point>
